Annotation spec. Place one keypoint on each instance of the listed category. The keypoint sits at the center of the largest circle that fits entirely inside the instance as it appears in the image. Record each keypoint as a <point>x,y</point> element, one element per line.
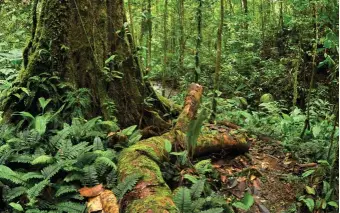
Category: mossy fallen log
<point>152,194</point>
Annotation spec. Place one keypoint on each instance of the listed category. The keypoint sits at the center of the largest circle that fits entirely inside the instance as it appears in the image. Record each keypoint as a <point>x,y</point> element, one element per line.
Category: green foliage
<point>126,185</point>
<point>245,203</point>
<point>63,160</point>
<point>194,130</point>
<point>182,199</point>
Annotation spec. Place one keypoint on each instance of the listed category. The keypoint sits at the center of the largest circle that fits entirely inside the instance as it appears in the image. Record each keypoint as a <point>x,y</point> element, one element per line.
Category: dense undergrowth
<point>51,153</point>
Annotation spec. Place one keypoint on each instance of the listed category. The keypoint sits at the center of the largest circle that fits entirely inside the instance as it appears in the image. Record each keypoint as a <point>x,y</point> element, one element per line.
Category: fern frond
<point>32,175</point>
<point>43,159</point>
<point>68,151</point>
<point>98,144</point>
<point>90,176</point>
<point>203,166</point>
<point>103,163</point>
<point>198,204</point>
<point>8,174</point>
<point>36,189</point>
<point>51,170</point>
<point>65,189</point>
<point>71,207</point>
<point>73,177</point>
<point>182,199</point>
<point>111,179</point>
<point>21,158</point>
<point>197,189</point>
<point>194,131</point>
<point>15,192</point>
<point>126,185</point>
<point>213,210</point>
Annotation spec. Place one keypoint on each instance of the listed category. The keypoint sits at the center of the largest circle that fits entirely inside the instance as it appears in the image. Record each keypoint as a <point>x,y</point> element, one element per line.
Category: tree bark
<point>152,194</point>
<point>71,40</point>
<point>198,41</point>
<point>165,45</point>
<point>218,62</point>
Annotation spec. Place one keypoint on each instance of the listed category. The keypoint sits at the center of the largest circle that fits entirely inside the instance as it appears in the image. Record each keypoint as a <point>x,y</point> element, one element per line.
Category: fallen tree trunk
<point>152,194</point>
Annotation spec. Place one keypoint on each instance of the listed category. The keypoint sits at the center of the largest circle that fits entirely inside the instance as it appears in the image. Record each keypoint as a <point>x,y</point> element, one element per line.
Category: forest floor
<point>265,172</point>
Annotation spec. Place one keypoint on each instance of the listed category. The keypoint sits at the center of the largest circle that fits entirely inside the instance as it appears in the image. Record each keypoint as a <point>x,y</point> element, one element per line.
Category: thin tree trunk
<point>165,47</point>
<point>149,37</point>
<point>131,20</point>
<point>218,62</point>
<point>198,41</point>
<point>315,44</point>
<point>182,36</point>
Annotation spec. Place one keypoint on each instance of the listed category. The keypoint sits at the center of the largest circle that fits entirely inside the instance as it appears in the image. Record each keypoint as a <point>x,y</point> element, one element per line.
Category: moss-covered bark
<point>152,194</point>
<point>73,38</point>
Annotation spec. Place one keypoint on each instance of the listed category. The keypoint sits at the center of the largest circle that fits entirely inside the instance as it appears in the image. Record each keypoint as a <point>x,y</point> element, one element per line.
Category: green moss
<point>155,203</point>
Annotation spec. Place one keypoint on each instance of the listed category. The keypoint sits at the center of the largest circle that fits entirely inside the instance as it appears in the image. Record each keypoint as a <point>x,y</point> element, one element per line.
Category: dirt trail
<point>264,172</point>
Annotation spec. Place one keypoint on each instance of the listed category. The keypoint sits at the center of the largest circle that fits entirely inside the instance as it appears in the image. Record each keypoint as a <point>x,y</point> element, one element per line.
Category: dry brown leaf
<point>109,202</point>
<point>91,191</point>
<point>111,134</point>
<point>94,204</point>
<point>252,177</point>
<point>223,178</point>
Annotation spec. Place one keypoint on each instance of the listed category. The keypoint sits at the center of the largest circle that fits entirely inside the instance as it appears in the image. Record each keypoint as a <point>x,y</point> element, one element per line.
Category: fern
<point>98,144</point>
<point>198,204</point>
<point>8,174</point>
<point>90,176</point>
<point>194,131</point>
<point>65,189</point>
<point>111,179</point>
<point>15,192</point>
<point>213,210</point>
<point>32,175</point>
<point>43,159</point>
<point>203,167</point>
<point>51,170</point>
<point>70,207</point>
<point>36,189</point>
<point>73,177</point>
<point>21,158</point>
<point>102,163</point>
<point>197,189</point>
<point>126,185</point>
<point>182,199</point>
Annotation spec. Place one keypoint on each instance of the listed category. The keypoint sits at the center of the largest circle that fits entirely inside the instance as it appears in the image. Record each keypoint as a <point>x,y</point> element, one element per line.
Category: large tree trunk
<point>72,39</point>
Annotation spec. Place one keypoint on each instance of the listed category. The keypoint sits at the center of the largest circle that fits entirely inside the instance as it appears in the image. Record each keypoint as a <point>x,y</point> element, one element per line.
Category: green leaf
<point>26,115</point>
<point>310,190</point>
<point>240,205</point>
<point>182,199</point>
<point>316,131</point>
<point>167,146</point>
<point>42,159</point>
<point>16,206</point>
<point>111,58</point>
<point>308,173</point>
<point>333,204</point>
<point>248,200</point>
<point>43,102</point>
<point>309,202</point>
<point>213,210</point>
<point>197,189</point>
<point>193,179</point>
<point>128,131</point>
<point>40,124</point>
<point>98,144</point>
